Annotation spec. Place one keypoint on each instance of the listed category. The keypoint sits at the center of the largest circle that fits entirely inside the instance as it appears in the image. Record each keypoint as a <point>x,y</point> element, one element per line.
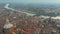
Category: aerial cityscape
<point>30,17</point>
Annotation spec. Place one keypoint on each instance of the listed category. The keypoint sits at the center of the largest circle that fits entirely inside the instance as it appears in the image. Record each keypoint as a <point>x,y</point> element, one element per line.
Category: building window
<point>53,32</point>
<point>43,32</point>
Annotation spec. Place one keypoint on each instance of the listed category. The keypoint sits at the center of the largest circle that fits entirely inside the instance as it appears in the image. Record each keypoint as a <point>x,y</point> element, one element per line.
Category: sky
<point>32,1</point>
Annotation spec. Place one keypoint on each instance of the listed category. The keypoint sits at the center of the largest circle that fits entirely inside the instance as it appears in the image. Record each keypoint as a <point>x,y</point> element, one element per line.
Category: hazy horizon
<point>32,1</point>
